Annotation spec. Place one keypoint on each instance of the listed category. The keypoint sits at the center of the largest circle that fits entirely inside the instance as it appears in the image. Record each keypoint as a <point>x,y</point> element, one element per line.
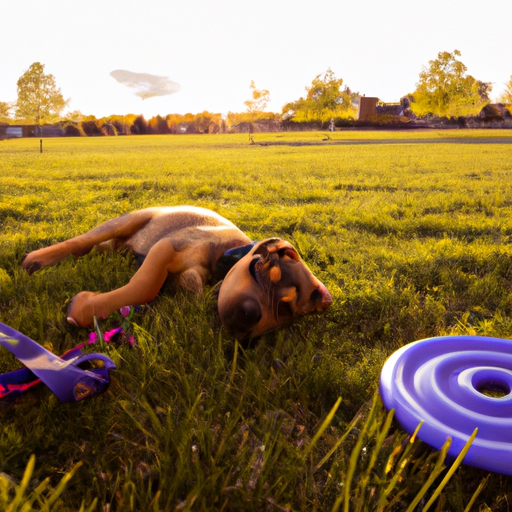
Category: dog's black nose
<point>315,296</point>
<point>321,297</point>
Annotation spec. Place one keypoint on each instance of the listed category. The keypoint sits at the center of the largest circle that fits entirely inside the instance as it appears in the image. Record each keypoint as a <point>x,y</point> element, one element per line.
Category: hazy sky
<point>213,49</point>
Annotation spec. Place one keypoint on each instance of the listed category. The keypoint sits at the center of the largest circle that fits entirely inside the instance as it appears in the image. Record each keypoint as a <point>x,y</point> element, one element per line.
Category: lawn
<point>411,233</point>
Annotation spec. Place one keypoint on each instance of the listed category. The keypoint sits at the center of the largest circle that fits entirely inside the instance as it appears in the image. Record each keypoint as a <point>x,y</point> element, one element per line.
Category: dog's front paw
<point>30,263</point>
<point>81,310</point>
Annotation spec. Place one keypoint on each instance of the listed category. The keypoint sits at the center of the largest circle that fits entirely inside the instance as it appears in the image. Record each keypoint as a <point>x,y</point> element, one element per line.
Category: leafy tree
<point>255,110</point>
<point>74,117</point>
<point>207,121</point>
<point>158,124</point>
<point>506,97</point>
<point>325,99</point>
<point>484,91</point>
<point>39,98</point>
<point>124,124</point>
<point>260,99</point>
<point>72,124</point>
<point>5,109</point>
<point>444,88</point>
<point>89,126</point>
<point>140,125</point>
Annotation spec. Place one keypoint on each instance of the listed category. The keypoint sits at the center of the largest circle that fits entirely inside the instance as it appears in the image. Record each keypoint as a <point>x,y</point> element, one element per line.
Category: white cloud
<point>146,85</point>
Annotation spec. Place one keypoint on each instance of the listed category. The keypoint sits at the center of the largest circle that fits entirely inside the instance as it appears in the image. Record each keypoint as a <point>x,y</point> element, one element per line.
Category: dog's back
<point>193,222</point>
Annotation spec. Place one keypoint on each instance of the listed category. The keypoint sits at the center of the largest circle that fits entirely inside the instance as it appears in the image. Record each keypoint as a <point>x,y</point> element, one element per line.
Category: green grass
<point>411,232</point>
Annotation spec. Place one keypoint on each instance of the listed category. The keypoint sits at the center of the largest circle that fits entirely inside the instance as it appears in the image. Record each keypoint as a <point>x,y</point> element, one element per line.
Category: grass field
<point>411,233</point>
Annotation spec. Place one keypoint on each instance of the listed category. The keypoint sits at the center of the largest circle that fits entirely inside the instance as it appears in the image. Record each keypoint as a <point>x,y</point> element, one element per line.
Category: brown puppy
<point>267,288</point>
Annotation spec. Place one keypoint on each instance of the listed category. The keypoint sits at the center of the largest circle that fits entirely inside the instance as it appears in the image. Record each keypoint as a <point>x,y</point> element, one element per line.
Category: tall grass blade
<point>322,428</point>
<point>402,463</point>
<point>471,502</point>
<point>233,366</point>
<point>90,508</point>
<point>21,503</point>
<point>451,471</point>
<point>35,495</point>
<point>378,444</point>
<point>101,341</point>
<point>354,456</point>
<point>20,491</point>
<point>352,424</point>
<point>438,469</point>
<point>61,487</point>
<point>337,503</point>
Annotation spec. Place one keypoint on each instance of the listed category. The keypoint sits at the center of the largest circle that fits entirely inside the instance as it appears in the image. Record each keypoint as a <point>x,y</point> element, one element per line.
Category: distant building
<point>367,108</point>
<point>11,131</point>
<point>14,131</point>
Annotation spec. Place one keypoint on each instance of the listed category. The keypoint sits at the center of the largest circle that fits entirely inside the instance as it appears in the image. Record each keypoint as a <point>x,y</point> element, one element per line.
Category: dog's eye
<point>288,252</point>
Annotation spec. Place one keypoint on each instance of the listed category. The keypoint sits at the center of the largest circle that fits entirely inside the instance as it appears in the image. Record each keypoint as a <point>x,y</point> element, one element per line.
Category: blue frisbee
<point>455,384</point>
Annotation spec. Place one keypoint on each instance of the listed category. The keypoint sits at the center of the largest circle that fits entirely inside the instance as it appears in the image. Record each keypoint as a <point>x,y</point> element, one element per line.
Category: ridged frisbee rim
<point>439,381</point>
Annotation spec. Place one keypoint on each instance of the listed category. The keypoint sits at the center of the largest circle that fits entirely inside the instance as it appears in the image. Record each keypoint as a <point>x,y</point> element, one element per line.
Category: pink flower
<point>108,335</point>
<point>131,340</point>
<point>125,311</point>
<point>93,338</point>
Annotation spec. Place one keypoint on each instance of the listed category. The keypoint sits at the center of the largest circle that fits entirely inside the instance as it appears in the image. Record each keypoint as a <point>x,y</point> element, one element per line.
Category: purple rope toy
<point>62,375</point>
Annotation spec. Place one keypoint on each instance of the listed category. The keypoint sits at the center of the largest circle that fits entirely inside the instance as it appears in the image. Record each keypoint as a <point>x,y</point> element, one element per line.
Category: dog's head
<point>269,287</point>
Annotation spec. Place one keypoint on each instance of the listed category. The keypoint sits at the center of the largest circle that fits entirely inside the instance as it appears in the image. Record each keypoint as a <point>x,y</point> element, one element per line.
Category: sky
<point>210,50</point>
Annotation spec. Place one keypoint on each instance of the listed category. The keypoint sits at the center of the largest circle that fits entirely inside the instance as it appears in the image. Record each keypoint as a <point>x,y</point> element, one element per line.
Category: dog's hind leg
<point>116,231</point>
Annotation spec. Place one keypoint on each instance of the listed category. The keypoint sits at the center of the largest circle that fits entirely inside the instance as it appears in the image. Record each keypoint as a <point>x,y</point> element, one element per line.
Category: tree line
<point>444,89</point>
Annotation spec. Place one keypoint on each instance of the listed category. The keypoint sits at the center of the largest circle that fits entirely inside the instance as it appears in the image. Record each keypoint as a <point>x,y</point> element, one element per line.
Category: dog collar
<point>228,260</point>
<point>61,374</point>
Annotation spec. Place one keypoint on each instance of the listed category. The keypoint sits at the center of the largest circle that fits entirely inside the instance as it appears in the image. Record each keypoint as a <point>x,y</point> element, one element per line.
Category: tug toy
<point>455,384</point>
<point>62,375</point>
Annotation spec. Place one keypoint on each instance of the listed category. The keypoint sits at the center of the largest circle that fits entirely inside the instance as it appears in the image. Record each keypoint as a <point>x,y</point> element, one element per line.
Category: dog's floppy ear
<point>272,254</point>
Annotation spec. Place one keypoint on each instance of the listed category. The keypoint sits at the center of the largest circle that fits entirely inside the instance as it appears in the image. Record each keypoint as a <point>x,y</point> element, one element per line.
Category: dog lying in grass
<point>267,287</point>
